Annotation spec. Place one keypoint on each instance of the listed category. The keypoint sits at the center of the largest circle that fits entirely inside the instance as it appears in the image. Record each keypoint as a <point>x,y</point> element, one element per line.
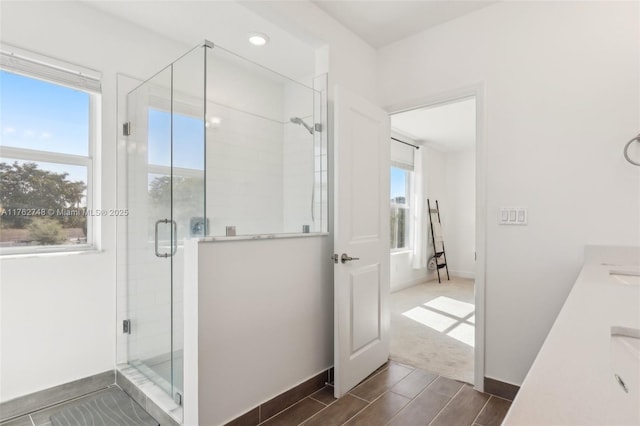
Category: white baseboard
<point>407,284</point>
<point>463,274</point>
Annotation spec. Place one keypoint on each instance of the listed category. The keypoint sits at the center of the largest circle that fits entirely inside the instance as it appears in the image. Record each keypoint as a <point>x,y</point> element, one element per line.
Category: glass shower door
<point>151,242</point>
<point>166,200</point>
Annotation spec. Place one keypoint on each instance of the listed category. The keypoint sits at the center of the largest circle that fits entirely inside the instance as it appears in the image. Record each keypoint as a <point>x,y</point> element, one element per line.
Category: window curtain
<point>419,255</point>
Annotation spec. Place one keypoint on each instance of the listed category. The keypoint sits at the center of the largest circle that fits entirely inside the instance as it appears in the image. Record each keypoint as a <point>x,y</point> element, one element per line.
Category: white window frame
<point>39,67</point>
<point>407,205</point>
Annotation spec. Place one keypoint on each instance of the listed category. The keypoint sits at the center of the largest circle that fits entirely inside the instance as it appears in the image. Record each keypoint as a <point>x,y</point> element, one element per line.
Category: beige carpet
<point>432,327</point>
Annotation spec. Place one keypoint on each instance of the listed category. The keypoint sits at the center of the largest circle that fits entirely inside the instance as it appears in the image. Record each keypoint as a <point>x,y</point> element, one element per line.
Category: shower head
<point>298,120</point>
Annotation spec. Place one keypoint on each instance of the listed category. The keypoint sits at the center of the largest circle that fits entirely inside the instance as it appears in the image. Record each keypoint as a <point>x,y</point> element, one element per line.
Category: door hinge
<point>126,129</point>
<point>126,326</point>
<point>177,398</point>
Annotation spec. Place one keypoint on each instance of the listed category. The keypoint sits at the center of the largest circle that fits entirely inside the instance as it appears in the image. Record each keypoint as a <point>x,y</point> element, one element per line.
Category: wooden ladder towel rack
<point>439,256</point>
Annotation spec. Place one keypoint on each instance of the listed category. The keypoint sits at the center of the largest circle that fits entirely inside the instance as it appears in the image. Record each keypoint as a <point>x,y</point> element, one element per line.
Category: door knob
<point>346,258</point>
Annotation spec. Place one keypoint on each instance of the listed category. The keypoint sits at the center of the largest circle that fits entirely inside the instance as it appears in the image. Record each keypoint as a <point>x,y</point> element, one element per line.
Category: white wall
<point>459,213</point>
<point>403,274</point>
<point>262,329</point>
<point>435,171</point>
<point>348,60</point>
<point>561,85</point>
<point>59,312</point>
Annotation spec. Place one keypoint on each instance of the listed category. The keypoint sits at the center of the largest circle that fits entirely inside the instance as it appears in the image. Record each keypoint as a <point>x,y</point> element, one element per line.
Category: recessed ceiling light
<point>258,39</point>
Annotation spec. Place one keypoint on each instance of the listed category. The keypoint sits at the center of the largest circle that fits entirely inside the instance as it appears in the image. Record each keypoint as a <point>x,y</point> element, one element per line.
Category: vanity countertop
<point>571,381</point>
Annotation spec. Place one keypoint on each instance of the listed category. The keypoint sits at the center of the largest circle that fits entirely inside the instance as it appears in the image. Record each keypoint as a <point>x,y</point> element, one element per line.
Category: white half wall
<point>562,98</point>
<point>265,321</point>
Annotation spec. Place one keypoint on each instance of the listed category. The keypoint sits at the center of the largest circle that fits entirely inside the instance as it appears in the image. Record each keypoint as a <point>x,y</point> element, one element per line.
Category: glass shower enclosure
<point>216,146</point>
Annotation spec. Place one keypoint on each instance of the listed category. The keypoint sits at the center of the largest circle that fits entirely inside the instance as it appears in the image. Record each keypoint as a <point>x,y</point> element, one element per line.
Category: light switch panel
<point>513,216</point>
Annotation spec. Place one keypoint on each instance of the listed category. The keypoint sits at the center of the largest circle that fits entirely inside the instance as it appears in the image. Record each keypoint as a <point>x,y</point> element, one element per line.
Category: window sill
<point>89,250</point>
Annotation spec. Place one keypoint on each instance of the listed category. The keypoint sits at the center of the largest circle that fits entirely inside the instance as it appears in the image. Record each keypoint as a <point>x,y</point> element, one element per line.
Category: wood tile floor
<point>397,395</point>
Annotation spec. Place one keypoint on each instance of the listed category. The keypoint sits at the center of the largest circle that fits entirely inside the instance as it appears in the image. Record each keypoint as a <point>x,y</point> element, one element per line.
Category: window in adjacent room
<point>401,195</point>
<point>400,208</point>
<point>48,136</point>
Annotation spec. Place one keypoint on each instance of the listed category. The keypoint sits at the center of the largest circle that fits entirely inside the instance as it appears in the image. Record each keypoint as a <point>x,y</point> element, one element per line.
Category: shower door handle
<point>174,238</point>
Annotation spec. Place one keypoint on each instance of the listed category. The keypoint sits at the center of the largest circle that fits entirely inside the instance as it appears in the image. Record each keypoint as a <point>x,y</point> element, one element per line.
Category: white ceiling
<point>448,127</point>
<point>226,23</point>
<point>383,22</point>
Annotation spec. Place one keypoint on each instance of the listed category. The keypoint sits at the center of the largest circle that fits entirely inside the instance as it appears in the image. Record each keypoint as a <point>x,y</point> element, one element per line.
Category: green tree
<point>27,186</point>
<point>187,197</point>
<point>46,231</point>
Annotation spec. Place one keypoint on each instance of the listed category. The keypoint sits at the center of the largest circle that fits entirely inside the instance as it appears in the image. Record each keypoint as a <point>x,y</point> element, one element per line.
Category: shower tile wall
<point>259,164</point>
<point>298,159</point>
<point>244,148</point>
<point>244,173</point>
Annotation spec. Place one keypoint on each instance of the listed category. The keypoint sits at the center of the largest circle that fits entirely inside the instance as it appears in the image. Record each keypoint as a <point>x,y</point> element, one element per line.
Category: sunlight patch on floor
<point>464,333</point>
<point>452,317</point>
<point>451,306</point>
<point>429,318</point>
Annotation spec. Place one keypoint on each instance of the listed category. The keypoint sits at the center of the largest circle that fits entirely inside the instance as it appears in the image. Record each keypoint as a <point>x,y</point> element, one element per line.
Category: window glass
<point>45,165</point>
<point>43,116</point>
<point>400,208</point>
<point>188,151</point>
<point>399,185</point>
<point>42,203</point>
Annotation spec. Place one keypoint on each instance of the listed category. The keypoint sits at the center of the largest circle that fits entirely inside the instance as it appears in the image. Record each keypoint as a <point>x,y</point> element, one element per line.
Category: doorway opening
<point>433,158</point>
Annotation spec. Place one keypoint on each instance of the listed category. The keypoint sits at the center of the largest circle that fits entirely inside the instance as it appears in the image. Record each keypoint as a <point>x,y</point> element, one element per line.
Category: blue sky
<point>398,182</point>
<point>188,143</point>
<point>38,115</point>
<point>42,116</point>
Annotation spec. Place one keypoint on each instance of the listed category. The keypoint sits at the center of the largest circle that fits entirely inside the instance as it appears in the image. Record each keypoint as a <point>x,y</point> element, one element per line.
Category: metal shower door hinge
<point>126,326</point>
<point>126,129</point>
<point>177,398</point>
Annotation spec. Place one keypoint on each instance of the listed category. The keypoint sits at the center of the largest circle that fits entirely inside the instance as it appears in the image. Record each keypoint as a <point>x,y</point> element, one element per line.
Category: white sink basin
<point>627,276</point>
<point>625,372</point>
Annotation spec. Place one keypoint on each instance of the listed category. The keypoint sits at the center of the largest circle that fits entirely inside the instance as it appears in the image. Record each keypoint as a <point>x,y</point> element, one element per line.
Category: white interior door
<point>361,230</point>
